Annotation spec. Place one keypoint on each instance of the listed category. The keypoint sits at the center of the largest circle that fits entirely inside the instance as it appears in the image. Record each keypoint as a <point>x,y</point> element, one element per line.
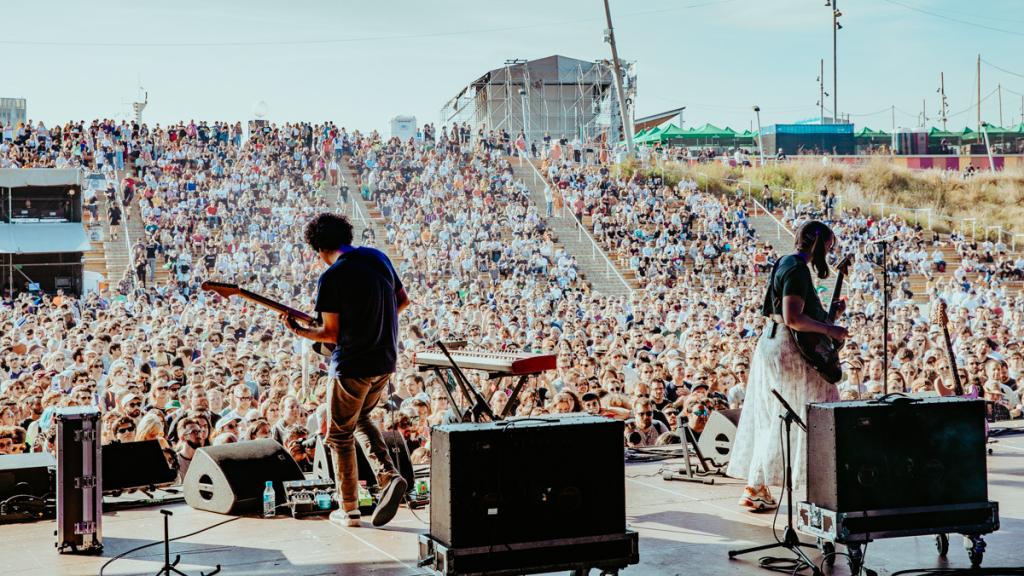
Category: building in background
<point>556,95</point>
<point>403,127</point>
<point>13,111</point>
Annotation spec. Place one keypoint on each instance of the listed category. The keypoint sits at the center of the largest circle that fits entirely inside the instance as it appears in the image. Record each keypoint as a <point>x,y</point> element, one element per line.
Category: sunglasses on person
<point>127,430</point>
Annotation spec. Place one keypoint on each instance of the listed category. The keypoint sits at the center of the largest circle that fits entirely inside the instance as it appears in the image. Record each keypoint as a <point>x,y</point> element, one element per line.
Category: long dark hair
<point>812,238</point>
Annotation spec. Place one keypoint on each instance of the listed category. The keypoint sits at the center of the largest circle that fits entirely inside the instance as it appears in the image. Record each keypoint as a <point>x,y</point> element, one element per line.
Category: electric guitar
<point>227,290</point>
<point>820,351</point>
<point>940,317</point>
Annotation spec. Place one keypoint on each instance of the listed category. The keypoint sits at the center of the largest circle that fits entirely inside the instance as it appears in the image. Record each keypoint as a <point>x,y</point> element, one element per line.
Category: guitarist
<point>358,297</point>
<point>791,303</point>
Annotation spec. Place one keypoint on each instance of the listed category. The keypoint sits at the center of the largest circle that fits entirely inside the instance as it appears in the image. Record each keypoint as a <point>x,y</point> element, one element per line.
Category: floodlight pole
<point>627,131</point>
<point>988,148</point>
<point>760,141</point>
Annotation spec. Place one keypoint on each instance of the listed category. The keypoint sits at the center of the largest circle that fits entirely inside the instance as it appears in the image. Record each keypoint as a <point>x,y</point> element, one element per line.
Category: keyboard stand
<point>479,408</point>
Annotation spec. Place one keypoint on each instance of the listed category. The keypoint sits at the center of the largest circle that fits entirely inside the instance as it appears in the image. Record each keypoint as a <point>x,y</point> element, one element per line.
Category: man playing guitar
<point>358,297</point>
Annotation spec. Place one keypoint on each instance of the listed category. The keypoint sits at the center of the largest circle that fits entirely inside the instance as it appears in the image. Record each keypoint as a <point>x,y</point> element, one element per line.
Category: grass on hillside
<point>994,199</point>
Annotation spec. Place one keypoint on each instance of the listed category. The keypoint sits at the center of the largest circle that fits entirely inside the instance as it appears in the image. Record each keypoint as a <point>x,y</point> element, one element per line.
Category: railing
<point>610,270</point>
<point>129,267</point>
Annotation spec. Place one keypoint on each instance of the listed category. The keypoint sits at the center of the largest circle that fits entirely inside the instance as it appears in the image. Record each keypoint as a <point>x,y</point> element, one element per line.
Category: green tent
<point>869,133</point>
<point>672,132</point>
<point>710,131</point>
<point>650,137</point>
<point>936,132</point>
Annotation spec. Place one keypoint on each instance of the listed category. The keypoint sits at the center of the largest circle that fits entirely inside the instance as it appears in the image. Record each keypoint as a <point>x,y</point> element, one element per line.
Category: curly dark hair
<point>328,231</point>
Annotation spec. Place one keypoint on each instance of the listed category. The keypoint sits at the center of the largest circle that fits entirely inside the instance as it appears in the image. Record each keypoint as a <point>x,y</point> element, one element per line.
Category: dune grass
<point>993,199</point>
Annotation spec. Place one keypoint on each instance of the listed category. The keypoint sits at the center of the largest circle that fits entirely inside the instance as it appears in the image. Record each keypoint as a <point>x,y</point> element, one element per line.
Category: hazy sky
<point>359,63</point>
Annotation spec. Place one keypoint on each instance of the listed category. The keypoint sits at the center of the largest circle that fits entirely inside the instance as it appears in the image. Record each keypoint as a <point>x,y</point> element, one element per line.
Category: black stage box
<point>527,480</point>
<point>918,452</point>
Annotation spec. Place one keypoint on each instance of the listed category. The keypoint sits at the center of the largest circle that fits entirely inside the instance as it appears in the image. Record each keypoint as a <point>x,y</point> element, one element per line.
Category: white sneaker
<point>349,519</point>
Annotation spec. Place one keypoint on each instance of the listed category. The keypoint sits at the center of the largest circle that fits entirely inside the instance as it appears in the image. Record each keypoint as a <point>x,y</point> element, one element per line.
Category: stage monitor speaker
<point>719,433</point>
<point>535,479</point>
<point>26,474</point>
<point>919,452</point>
<point>144,464</point>
<point>230,478</point>
<point>323,465</point>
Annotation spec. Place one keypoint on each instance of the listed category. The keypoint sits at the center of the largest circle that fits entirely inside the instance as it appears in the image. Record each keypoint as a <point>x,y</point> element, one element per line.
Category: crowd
<point>168,361</point>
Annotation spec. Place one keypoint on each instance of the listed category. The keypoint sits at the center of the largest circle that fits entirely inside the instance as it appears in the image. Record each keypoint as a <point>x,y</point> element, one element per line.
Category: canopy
<point>938,133</point>
<point>869,133</point>
<point>39,177</point>
<point>45,238</point>
<point>672,131</point>
<point>711,131</point>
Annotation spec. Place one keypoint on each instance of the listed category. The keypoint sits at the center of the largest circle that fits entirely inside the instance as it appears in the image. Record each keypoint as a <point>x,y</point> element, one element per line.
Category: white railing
<point>610,270</point>
<point>130,266</point>
<point>779,225</point>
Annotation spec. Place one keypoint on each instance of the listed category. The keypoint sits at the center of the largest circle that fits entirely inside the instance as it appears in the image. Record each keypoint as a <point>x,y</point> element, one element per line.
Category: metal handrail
<point>778,223</point>
<point>583,233</point>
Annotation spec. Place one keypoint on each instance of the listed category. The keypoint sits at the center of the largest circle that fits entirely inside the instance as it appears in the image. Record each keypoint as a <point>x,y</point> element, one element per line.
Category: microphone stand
<point>885,316</point>
<point>790,539</point>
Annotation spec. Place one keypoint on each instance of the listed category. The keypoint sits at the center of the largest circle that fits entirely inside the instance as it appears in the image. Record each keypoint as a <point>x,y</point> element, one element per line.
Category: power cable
<point>322,41</point>
<point>159,542</point>
<point>1001,69</point>
<point>957,20</point>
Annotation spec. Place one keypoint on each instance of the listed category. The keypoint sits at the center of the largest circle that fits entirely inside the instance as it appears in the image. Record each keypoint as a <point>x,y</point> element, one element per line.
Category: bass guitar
<point>227,290</point>
<point>940,316</point>
<point>820,351</point>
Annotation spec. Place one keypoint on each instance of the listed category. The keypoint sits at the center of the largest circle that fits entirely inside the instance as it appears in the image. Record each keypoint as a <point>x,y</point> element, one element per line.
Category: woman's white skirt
<point>758,449</point>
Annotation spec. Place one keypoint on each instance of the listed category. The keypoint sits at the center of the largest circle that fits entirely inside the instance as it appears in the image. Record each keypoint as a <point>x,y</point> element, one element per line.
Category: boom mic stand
<point>790,540</point>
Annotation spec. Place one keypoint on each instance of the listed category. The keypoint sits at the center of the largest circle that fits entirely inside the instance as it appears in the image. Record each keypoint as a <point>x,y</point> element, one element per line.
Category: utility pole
<point>892,110</point>
<point>821,91</point>
<point>627,131</point>
<point>999,87</point>
<point>1022,108</point>
<point>979,92</point>
<point>944,109</point>
<point>924,113</point>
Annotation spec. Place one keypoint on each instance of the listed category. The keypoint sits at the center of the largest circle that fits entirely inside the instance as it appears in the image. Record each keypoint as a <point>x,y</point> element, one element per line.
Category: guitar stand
<point>169,567</point>
<point>686,473</point>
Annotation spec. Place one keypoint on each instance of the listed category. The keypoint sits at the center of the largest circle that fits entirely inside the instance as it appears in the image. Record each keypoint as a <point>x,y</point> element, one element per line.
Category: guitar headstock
<point>844,265</point>
<point>222,288</point>
<point>939,313</point>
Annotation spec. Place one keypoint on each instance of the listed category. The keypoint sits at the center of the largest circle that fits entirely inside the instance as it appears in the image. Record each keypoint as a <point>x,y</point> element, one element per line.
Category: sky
<point>359,63</point>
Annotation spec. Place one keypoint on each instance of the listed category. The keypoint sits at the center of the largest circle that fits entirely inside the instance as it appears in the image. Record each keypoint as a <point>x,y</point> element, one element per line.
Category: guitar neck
<point>958,387</point>
<point>833,306</point>
<point>274,305</point>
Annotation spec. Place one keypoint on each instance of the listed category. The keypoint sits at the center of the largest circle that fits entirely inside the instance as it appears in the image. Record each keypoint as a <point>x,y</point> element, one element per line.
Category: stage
<point>685,528</point>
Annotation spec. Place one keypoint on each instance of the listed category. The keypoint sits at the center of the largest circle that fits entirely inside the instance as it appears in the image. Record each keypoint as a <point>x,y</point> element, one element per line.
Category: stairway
<point>375,219</point>
<point>590,260</point>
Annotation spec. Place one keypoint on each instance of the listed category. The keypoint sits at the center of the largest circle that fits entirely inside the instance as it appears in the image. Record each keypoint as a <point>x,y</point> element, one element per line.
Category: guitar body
<point>820,351</point>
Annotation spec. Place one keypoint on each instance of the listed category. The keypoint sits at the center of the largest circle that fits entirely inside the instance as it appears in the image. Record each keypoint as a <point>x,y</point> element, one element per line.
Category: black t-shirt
<point>793,278</point>
<point>361,287</point>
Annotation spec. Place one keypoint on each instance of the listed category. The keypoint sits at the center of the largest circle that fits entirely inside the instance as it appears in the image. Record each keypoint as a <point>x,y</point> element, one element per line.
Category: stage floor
<point>685,528</point>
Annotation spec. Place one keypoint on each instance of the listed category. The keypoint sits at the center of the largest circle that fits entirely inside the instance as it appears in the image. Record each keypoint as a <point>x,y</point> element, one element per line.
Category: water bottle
<point>269,500</point>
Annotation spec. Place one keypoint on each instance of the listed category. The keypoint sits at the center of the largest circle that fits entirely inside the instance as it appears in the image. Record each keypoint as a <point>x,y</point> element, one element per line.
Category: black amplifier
<point>532,479</point>
<point>909,452</point>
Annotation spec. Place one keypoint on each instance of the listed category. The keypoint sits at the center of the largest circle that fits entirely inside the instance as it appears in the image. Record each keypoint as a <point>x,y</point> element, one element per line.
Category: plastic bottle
<point>269,501</point>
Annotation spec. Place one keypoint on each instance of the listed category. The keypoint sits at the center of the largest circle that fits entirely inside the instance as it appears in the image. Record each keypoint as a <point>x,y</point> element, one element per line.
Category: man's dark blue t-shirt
<point>361,287</point>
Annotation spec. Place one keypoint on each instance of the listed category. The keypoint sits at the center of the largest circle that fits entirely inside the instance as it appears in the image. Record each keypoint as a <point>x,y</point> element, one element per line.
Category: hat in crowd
<point>931,354</point>
<point>590,397</point>
<point>127,399</point>
<point>997,357</point>
<point>699,385</point>
<point>231,417</point>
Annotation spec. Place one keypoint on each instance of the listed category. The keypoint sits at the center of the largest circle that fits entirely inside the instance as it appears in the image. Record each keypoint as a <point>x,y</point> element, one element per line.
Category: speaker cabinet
<point>29,474</point>
<point>527,480</point>
<point>719,433</point>
<point>150,466</point>
<point>230,478</point>
<point>871,455</point>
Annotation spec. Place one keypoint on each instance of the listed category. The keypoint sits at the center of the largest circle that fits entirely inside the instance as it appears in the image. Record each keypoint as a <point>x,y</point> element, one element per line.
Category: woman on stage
<point>791,302</point>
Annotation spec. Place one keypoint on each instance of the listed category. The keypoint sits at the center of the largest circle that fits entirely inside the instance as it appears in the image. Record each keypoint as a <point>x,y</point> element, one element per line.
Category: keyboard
<point>505,363</point>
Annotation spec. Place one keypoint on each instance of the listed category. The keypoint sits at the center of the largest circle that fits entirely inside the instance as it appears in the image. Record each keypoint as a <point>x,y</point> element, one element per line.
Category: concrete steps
<point>591,263</point>
<point>376,221</point>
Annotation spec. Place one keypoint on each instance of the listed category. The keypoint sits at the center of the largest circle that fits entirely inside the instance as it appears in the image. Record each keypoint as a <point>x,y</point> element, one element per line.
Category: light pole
<point>836,27</point>
<point>522,102</point>
<point>627,131</point>
<point>988,149</point>
<point>760,141</point>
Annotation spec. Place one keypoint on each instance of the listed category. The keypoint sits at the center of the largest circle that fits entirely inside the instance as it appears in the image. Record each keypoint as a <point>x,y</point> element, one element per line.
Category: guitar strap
<point>771,305</point>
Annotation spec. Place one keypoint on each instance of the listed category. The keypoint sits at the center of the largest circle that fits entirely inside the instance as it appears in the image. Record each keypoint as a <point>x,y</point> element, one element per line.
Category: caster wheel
<point>942,544</point>
<point>856,558</point>
<point>976,558</point>
<point>828,550</point>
